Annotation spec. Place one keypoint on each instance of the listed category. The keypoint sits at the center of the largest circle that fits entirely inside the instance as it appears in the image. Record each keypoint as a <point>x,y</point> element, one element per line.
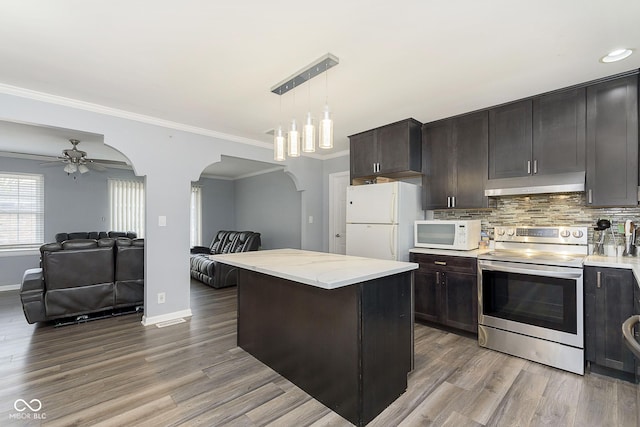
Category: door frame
<point>332,189</point>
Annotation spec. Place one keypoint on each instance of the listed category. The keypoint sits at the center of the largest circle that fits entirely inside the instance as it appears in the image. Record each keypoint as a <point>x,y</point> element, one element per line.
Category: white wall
<point>157,153</point>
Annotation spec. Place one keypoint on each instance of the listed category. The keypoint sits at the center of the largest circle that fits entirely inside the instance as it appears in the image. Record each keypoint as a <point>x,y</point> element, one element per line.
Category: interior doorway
<point>338,183</point>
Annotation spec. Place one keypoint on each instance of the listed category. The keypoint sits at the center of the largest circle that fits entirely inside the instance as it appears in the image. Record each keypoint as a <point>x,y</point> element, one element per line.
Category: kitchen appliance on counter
<point>530,295</point>
<point>599,234</point>
<point>629,239</point>
<point>380,219</point>
<point>462,235</point>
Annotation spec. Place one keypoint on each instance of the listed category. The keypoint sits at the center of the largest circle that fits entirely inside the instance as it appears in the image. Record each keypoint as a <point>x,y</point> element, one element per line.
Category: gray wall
<point>218,207</point>
<point>153,147</point>
<point>79,204</point>
<point>269,204</point>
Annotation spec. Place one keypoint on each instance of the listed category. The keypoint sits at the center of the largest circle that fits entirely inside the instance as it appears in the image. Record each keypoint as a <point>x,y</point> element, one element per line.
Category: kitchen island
<point>339,327</point>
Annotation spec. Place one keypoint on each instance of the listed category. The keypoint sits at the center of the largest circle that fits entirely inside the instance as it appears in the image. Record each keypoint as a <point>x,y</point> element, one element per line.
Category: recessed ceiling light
<point>616,55</point>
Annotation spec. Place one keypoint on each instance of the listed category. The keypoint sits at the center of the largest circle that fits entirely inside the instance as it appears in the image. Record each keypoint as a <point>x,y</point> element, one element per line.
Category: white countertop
<point>320,269</point>
<point>631,263</point>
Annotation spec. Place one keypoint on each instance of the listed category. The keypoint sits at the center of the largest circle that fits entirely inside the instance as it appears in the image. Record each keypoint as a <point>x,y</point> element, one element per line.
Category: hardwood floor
<point>116,372</point>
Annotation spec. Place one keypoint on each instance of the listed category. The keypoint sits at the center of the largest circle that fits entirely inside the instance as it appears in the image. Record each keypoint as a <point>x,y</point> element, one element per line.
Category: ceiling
<point>210,64</point>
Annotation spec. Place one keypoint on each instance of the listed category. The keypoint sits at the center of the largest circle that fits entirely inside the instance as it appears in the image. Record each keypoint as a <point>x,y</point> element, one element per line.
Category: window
<point>21,210</point>
<point>126,205</point>
<point>196,216</point>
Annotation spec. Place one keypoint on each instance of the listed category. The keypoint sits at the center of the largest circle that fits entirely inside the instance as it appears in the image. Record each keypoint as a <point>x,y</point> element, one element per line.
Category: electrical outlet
<point>161,297</point>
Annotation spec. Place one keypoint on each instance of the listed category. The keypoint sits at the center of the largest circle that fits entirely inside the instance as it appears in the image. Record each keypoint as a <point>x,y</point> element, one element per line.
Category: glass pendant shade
<point>278,145</point>
<point>326,130</point>
<point>70,168</point>
<point>83,169</point>
<point>309,135</point>
<point>294,140</point>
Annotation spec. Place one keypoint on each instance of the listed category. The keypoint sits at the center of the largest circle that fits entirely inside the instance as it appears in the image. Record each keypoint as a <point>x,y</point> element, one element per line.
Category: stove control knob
<point>567,233</point>
<point>511,232</point>
<point>500,231</point>
<point>577,234</point>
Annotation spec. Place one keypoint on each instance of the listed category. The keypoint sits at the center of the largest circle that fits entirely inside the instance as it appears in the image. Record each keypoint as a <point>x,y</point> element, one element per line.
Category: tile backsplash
<point>541,210</point>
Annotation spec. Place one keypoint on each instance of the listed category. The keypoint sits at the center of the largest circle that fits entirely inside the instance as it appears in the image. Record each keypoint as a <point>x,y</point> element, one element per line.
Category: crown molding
<point>101,109</point>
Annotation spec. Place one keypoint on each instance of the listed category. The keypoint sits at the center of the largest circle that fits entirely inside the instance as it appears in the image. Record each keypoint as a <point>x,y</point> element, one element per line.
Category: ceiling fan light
<point>70,168</point>
<point>309,135</point>
<point>326,130</point>
<point>83,169</point>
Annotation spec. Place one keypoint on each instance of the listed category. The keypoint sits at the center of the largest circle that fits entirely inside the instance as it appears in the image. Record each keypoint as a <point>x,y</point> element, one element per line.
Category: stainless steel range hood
<point>536,184</point>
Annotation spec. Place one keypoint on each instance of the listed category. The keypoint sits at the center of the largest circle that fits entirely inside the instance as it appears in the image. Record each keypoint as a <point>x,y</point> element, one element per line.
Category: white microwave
<point>461,235</point>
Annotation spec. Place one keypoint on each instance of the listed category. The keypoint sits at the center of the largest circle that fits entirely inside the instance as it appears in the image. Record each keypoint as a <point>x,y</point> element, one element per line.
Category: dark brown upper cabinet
<point>454,156</point>
<point>393,150</point>
<point>612,142</point>
<point>539,136</point>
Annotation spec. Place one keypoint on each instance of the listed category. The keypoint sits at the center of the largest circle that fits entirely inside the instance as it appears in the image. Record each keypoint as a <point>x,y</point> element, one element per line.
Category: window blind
<point>126,205</point>
<point>21,210</point>
<point>196,216</point>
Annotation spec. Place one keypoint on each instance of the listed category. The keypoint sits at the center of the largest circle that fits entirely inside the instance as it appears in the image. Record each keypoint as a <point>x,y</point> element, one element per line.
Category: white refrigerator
<point>380,219</point>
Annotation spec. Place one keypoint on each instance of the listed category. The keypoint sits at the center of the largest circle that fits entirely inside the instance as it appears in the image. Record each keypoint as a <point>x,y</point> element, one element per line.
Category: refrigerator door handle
<point>392,240</point>
<point>392,216</point>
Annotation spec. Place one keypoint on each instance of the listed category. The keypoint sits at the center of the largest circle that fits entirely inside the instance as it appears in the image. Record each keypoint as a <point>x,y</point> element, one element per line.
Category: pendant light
<point>325,136</point>
<point>309,130</point>
<point>293,137</point>
<point>278,139</point>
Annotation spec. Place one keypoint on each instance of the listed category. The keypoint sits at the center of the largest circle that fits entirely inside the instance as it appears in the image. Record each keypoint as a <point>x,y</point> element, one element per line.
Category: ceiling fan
<point>77,161</point>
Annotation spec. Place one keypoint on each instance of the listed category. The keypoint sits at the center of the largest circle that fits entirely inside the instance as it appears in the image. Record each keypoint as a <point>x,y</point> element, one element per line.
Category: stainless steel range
<point>530,295</point>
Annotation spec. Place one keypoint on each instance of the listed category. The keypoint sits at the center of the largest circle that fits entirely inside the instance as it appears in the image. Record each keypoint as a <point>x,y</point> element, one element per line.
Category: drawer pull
<point>440,263</point>
<point>598,279</point>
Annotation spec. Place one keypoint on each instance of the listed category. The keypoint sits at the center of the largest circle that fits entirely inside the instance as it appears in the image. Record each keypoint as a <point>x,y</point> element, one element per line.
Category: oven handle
<point>531,271</point>
<point>627,333</point>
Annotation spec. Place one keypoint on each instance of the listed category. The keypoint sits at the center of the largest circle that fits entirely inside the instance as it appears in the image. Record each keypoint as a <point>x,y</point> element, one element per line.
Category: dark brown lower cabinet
<point>609,301</point>
<point>446,291</point>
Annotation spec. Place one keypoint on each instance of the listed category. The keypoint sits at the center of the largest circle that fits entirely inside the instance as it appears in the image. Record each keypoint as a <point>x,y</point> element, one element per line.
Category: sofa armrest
<point>32,281</point>
<point>32,295</point>
<point>200,250</point>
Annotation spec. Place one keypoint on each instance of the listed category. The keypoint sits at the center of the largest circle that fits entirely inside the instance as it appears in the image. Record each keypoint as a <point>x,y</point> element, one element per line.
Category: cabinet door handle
<point>437,277</point>
<point>448,201</point>
<point>598,279</point>
<point>378,167</point>
<point>529,166</point>
<point>590,196</point>
<point>535,167</point>
<point>439,262</point>
<point>453,201</point>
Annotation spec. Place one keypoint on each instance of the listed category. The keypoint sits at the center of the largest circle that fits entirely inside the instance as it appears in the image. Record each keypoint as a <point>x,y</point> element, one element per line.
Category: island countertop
<point>319,269</point>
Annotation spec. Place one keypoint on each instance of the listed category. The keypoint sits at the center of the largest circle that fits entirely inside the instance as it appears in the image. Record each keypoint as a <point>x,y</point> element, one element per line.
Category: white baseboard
<point>9,287</point>
<point>148,321</point>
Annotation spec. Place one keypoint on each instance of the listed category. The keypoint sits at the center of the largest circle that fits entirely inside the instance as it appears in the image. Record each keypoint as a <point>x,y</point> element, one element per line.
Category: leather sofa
<point>61,237</point>
<point>83,276</point>
<point>216,274</point>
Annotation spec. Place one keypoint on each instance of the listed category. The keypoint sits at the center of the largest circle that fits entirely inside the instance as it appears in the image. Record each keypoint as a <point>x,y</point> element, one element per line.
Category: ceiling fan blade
<point>52,163</point>
<point>95,166</point>
<point>106,162</point>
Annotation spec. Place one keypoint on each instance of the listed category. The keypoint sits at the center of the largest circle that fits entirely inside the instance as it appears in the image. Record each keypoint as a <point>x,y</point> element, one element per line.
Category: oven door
<point>536,300</point>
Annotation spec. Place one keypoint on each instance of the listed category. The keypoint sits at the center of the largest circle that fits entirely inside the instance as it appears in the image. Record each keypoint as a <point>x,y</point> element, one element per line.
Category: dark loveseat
<point>82,276</point>
<point>213,273</point>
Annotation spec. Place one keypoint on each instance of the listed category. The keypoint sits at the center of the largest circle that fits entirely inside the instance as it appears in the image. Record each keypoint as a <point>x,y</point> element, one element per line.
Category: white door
<point>372,204</point>
<point>338,183</point>
<point>373,241</point>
